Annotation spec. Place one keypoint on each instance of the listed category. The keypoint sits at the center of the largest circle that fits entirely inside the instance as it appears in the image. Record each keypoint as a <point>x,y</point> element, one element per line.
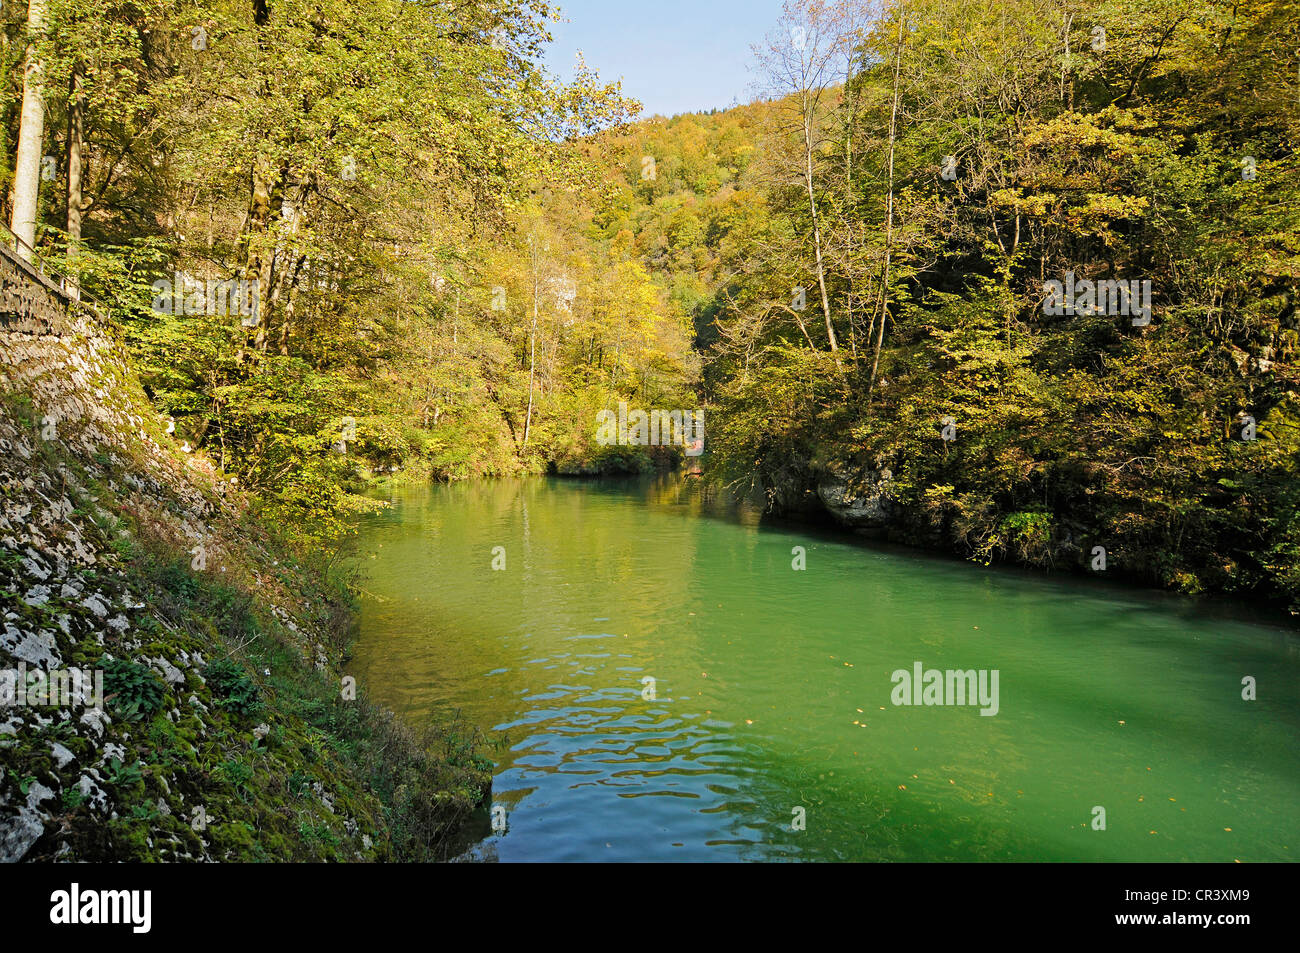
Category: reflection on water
<point>771,688</point>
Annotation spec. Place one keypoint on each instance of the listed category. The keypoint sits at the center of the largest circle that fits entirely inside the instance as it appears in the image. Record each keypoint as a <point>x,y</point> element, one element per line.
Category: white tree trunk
<point>889,212</point>
<point>31,141</point>
<point>816,228</point>
<point>532,346</point>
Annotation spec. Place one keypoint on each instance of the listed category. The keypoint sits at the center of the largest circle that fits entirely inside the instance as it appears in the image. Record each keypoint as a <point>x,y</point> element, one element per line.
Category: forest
<point>349,241</point>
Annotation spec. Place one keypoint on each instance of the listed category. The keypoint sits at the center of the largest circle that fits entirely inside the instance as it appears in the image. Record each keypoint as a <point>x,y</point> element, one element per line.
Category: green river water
<point>772,732</point>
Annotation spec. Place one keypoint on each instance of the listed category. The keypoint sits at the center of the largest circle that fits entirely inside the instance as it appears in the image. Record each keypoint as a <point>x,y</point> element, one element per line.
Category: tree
<point>31,137</point>
<point>811,48</point>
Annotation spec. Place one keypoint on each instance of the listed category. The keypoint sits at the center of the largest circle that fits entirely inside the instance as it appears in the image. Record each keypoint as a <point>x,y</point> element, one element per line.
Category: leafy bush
<point>136,691</point>
<point>235,690</point>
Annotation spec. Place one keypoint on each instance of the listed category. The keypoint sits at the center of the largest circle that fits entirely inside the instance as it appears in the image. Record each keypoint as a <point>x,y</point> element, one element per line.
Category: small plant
<point>125,547</point>
<point>136,691</point>
<point>237,775</point>
<point>318,833</point>
<point>234,689</point>
<point>176,578</point>
<point>123,775</point>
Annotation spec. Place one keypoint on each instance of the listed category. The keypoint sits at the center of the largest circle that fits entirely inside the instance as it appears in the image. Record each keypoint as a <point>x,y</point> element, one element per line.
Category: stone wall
<point>79,446</point>
<point>64,359</point>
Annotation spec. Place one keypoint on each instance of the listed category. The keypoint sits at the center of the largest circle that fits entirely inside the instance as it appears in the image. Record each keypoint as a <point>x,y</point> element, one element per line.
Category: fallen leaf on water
<point>1228,829</point>
<point>951,781</point>
<point>902,787</point>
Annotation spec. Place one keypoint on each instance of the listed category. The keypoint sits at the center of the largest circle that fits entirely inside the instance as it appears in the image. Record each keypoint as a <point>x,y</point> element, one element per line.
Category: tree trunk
<point>256,264</point>
<point>889,213</point>
<point>850,124</point>
<point>31,140</point>
<point>76,136</point>
<point>816,227</point>
<point>294,280</point>
<point>532,348</point>
<point>1065,63</point>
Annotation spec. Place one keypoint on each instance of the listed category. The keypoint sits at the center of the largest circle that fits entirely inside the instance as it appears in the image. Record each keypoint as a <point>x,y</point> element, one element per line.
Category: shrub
<point>137,690</point>
<point>234,689</point>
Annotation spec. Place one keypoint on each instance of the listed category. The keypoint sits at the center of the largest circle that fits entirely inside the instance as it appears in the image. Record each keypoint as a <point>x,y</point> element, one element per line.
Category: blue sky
<point>673,55</point>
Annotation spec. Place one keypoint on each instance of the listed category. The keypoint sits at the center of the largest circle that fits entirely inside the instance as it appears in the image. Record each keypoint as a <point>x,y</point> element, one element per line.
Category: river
<point>663,685</point>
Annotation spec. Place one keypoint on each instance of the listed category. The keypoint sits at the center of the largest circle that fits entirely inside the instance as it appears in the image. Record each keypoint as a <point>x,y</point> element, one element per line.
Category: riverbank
<point>1076,536</point>
<point>225,730</point>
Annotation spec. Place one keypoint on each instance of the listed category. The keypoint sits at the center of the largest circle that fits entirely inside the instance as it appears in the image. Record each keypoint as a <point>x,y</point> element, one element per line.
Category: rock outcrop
<point>857,497</point>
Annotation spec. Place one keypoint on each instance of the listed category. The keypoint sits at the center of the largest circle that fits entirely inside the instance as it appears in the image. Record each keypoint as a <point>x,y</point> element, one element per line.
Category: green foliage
<point>236,773</point>
<point>122,775</point>
<point>235,690</point>
<point>271,153</point>
<point>1071,431</point>
<point>135,690</point>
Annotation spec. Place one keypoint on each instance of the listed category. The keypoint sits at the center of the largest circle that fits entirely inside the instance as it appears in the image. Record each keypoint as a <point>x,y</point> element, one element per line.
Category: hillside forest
<point>1012,280</point>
